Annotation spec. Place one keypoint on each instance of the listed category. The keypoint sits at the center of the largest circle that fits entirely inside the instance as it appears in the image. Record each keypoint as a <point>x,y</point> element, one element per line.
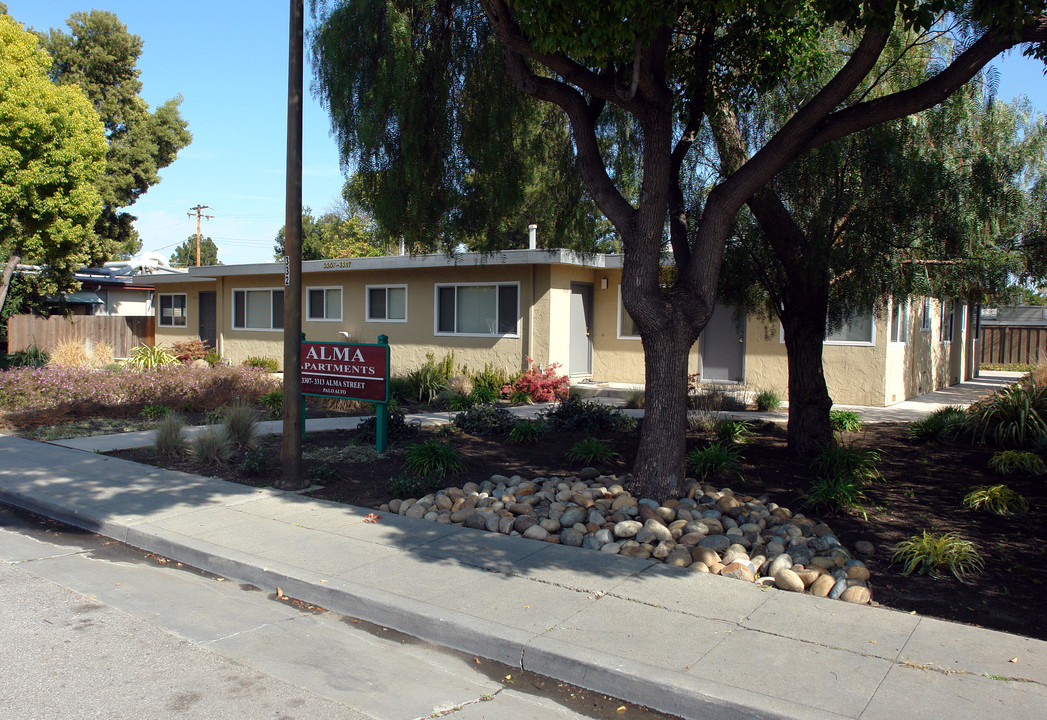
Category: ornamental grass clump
<point>716,460</point>
<point>527,432</point>
<point>212,447</point>
<point>169,440</point>
<point>241,422</point>
<point>730,431</point>
<point>1014,462</point>
<point>942,423</point>
<point>433,458</point>
<point>768,401</point>
<point>145,357</point>
<point>1012,418</point>
<point>591,451</point>
<point>930,553</point>
<point>998,499</point>
<point>845,421</point>
<point>70,353</point>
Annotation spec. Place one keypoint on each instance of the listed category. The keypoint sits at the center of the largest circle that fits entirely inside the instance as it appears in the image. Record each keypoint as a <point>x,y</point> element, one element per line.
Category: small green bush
<point>32,356</point>
<point>635,400</point>
<point>397,427</point>
<point>458,402</point>
<point>929,553</point>
<point>155,412</point>
<point>729,430</point>
<point>254,462</point>
<point>405,486</point>
<point>268,364</point>
<point>483,394</point>
<point>273,402</point>
<point>837,492</point>
<point>575,414</point>
<point>942,423</point>
<point>400,388</point>
<point>998,499</point>
<point>591,451</point>
<point>212,358</point>
<point>428,381</point>
<point>845,421</point>
<point>145,357</point>
<point>433,458</point>
<point>527,432</point>
<point>520,397</point>
<point>715,460</point>
<point>169,440</point>
<point>485,420</point>
<point>768,401</point>
<point>847,461</point>
<point>491,377</point>
<point>240,425</point>
<point>1012,418</point>
<point>1013,462</point>
<point>212,447</point>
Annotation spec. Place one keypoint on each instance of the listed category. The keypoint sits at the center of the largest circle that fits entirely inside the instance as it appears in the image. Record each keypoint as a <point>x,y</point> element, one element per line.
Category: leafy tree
<point>185,254</point>
<point>52,152</point>
<point>340,233</point>
<point>101,57</point>
<point>660,71</point>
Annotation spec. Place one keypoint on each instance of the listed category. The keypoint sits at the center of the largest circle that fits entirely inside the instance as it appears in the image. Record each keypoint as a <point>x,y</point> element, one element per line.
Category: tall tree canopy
<point>52,152</point>
<point>663,71</point>
<point>338,233</point>
<point>100,56</point>
<point>185,254</point>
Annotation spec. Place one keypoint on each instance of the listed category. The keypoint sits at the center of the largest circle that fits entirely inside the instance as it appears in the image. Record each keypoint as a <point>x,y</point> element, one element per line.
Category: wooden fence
<point>121,332</point>
<point>1007,345</point>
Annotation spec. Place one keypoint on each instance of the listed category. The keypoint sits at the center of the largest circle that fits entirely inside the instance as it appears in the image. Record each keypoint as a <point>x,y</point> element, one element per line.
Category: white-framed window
<point>481,309</point>
<point>900,321</point>
<point>945,326</point>
<point>258,309</point>
<point>173,310</point>
<point>323,303</point>
<point>627,329</point>
<point>925,323</point>
<point>857,329</point>
<point>386,303</point>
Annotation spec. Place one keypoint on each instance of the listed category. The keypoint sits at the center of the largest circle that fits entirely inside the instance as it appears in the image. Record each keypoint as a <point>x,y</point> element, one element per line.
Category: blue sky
<point>228,60</point>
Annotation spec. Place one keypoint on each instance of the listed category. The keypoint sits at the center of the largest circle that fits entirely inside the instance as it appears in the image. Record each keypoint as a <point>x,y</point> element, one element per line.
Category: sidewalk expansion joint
<point>245,631</point>
<point>931,667</point>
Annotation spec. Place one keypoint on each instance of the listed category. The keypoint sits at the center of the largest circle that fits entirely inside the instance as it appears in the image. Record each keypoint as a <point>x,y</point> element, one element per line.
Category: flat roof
<point>398,262</point>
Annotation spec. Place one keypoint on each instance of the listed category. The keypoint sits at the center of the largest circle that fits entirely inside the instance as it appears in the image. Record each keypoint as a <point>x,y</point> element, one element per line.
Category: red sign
<point>343,370</point>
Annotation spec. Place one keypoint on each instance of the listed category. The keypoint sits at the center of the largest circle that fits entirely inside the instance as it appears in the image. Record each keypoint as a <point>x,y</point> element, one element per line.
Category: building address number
<point>337,264</point>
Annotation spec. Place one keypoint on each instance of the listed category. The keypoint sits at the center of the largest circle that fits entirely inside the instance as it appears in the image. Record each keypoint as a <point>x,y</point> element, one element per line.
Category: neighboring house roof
<point>1028,315</point>
<point>399,262</point>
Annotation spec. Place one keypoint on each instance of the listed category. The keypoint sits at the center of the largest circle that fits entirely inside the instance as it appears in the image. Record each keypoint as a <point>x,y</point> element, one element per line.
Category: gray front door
<point>208,326</point>
<point>722,347</point>
<point>581,361</point>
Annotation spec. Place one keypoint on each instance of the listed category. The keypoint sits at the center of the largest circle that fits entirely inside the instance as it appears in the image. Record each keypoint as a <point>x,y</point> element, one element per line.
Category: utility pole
<point>198,208</point>
<point>294,424</point>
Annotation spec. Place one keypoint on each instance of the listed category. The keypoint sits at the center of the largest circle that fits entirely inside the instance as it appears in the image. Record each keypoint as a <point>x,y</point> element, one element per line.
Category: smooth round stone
<point>596,518</point>
<point>623,501</point>
<point>571,537</point>
<point>716,543</point>
<point>838,589</point>
<point>636,551</point>
<point>627,529</point>
<point>590,543</point>
<point>822,586</point>
<point>862,547</point>
<point>612,548</point>
<point>808,575</point>
<point>536,532</point>
<point>823,562</point>
<point>840,556</point>
<point>505,525</point>
<point>550,525</point>
<point>647,502</point>
<point>690,539</point>
<point>786,579</point>
<point>604,536</point>
<point>705,555</point>
<point>782,562</point>
<point>476,520</point>
<point>665,513</point>
<point>589,473</point>
<point>416,511</point>
<point>572,516</point>
<point>856,594</point>
<point>699,566</point>
<point>444,502</point>
<point>431,516</point>
<point>695,527</point>
<point>801,555</point>
<point>858,572</point>
<point>734,556</point>
<point>394,506</point>
<point>679,557</point>
<point>659,531</point>
<point>765,581</point>
<point>662,550</point>
<point>523,522</point>
<point>750,528</point>
<point>738,571</point>
<point>459,516</point>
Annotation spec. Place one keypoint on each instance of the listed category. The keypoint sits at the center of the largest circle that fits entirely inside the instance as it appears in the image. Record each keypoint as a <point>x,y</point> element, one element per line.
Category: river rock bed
<point>710,530</point>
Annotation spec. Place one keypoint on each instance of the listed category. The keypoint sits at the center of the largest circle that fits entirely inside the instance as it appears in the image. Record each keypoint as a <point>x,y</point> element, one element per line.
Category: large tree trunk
<point>660,466</point>
<point>809,401</point>
<point>5,280</point>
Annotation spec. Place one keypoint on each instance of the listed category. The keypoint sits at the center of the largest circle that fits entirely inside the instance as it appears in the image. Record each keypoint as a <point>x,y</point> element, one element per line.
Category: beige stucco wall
<point>167,336</point>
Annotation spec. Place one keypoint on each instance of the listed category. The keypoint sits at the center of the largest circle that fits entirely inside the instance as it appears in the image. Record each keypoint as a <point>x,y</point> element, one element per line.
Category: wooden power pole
<point>199,214</point>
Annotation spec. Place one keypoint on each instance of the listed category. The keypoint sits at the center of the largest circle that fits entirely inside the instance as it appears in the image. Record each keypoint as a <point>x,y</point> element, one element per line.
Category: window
<point>900,321</point>
<point>323,304</point>
<point>926,324</point>
<point>387,304</point>
<point>258,309</point>
<point>627,329</point>
<point>945,328</point>
<point>857,329</point>
<point>173,310</point>
<point>468,309</point>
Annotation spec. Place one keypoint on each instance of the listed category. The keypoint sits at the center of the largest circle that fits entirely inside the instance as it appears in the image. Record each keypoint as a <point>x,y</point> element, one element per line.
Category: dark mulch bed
<point>923,489</point>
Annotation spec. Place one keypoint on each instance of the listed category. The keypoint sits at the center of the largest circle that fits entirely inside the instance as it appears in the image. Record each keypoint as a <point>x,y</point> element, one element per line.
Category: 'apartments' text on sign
<point>343,370</point>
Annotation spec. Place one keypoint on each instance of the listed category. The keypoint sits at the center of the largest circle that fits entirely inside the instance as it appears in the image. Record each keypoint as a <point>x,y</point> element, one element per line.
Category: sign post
<point>351,371</point>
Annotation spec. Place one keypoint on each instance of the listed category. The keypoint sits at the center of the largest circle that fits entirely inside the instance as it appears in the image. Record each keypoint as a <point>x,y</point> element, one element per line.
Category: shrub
<point>701,421</point>
<point>845,421</point>
<point>254,462</point>
<point>273,402</point>
<point>491,377</point>
<point>407,486</point>
<point>70,354</point>
<point>458,402</point>
<point>942,423</point>
<point>526,432</point>
<point>213,358</point>
<point>768,401</point>
<point>155,412</point>
<point>837,492</point>
<point>212,447</point>
<point>847,461</point>
<point>729,430</point>
<point>460,384</point>
<point>145,357</point>
<point>485,420</point>
<point>519,397</point>
<point>240,425</point>
<point>1015,417</point>
<point>400,388</point>
<point>716,460</point>
<point>542,385</point>
<point>590,451</point>
<point>998,499</point>
<point>169,440</point>
<point>268,364</point>
<point>32,356</point>
<point>433,458</point>
<point>101,355</point>
<point>574,414</point>
<point>483,394</point>
<point>635,400</point>
<point>428,381</point>
<point>189,350</point>
<point>396,428</point>
<point>929,553</point>
<point>1012,462</point>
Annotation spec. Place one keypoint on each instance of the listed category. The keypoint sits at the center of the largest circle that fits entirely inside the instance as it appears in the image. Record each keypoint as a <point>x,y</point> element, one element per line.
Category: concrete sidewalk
<point>683,642</point>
